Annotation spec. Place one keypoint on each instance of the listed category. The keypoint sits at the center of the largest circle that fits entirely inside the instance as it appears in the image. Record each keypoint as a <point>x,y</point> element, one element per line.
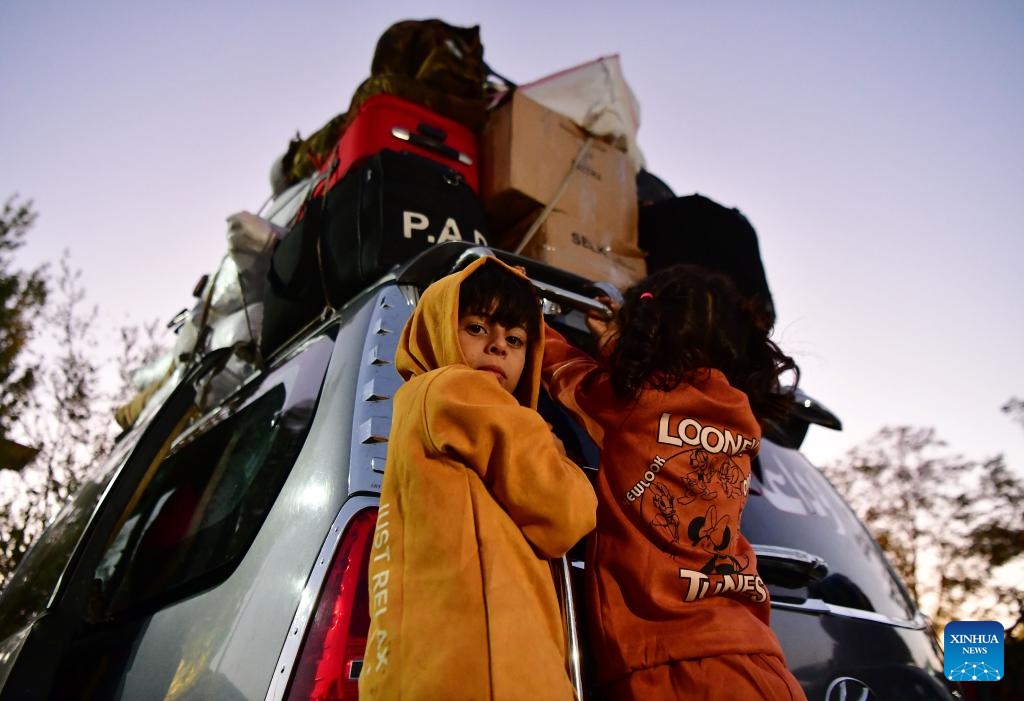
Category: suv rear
<point>220,550</point>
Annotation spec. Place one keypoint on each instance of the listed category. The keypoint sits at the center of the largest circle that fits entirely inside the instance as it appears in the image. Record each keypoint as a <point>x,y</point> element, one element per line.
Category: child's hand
<point>597,324</point>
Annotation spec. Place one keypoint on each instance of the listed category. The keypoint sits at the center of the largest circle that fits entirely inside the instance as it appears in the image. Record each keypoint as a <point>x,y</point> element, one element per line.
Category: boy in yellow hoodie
<point>477,495</point>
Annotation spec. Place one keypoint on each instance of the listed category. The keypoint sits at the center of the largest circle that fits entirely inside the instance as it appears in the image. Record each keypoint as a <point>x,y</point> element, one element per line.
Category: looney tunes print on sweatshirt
<point>669,575</point>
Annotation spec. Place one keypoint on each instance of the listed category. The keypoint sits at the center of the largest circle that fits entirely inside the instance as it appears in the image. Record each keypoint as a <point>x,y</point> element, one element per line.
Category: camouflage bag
<point>433,64</point>
<point>305,157</point>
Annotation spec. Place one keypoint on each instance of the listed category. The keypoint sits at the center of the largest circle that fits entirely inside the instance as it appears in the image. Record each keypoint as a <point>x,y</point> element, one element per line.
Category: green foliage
<point>945,521</point>
<point>22,296</point>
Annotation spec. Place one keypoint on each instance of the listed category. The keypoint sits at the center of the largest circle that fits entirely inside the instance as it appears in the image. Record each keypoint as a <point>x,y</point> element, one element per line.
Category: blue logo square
<point>974,651</point>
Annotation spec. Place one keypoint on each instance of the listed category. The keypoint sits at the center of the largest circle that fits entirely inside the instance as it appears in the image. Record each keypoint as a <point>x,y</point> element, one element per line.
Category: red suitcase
<point>385,121</point>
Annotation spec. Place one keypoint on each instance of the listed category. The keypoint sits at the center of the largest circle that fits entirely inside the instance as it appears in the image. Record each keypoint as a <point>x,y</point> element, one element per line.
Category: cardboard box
<point>585,249</point>
<point>528,150</point>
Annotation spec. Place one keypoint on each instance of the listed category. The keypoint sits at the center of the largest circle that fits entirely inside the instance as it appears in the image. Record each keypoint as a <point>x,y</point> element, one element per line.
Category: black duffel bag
<point>697,230</point>
<point>378,215</point>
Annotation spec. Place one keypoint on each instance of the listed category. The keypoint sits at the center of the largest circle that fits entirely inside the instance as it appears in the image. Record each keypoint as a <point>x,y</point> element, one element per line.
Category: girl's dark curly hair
<point>683,320</point>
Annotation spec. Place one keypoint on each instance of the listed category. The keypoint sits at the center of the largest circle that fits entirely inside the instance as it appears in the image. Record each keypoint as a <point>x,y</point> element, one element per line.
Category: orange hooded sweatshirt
<point>669,576</point>
<point>476,496</point>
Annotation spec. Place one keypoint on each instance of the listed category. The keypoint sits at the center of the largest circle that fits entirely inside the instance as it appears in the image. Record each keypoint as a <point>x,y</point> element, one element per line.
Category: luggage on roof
<point>423,151</point>
<point>378,215</point>
<point>391,122</point>
<point>596,96</point>
<point>228,311</point>
<point>695,229</point>
<point>305,157</point>
<point>555,192</point>
<point>431,63</point>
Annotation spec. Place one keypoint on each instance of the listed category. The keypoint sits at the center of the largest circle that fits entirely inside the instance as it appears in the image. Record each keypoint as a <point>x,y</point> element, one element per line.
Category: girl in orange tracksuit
<point>677,608</point>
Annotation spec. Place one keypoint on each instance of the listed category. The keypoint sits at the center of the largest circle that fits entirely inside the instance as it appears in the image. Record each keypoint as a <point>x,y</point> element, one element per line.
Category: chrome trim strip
<point>819,607</point>
<point>800,557</point>
<point>310,596</point>
<point>576,301</point>
<point>575,655</point>
<point>10,648</point>
<point>58,585</point>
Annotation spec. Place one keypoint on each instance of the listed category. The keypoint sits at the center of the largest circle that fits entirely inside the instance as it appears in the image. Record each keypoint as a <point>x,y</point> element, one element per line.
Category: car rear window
<point>29,589</point>
<point>199,508</point>
<point>792,505</point>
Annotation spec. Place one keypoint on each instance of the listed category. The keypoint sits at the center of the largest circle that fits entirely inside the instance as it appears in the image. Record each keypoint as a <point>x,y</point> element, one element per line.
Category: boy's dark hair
<point>682,320</point>
<point>499,294</point>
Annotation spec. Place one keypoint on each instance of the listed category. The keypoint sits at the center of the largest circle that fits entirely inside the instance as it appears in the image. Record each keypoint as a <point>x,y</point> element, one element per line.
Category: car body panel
<point>222,642</point>
<point>897,663</point>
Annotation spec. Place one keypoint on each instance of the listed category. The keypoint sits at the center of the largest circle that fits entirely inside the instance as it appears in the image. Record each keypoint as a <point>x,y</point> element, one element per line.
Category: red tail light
<point>332,653</point>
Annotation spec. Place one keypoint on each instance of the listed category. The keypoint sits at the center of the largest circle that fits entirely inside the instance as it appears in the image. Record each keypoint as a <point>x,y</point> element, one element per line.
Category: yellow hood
<point>430,339</point>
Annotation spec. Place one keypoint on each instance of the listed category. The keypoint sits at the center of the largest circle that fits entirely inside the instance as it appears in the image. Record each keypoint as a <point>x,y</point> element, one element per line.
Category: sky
<point>877,148</point>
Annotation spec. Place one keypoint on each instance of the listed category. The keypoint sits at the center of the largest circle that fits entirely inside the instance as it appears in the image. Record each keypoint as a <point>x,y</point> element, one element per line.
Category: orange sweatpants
<point>721,678</point>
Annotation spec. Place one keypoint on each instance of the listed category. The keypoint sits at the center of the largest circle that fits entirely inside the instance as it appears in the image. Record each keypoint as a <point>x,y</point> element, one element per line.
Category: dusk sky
<point>877,148</point>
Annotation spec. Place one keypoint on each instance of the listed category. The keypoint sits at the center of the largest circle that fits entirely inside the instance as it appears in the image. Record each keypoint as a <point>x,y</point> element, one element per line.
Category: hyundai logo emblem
<point>849,689</point>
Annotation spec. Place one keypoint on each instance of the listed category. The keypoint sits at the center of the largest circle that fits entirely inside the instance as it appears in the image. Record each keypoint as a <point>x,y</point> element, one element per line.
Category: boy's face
<point>491,347</point>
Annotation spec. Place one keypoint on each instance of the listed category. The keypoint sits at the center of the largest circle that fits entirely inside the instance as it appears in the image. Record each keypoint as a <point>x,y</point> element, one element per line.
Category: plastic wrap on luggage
<point>242,275</point>
<point>597,97</point>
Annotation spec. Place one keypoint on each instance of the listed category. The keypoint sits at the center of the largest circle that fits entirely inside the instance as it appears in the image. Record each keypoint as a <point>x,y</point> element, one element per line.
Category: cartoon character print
<point>698,481</point>
<point>731,478</point>
<point>708,478</point>
<point>712,534</point>
<point>666,517</point>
